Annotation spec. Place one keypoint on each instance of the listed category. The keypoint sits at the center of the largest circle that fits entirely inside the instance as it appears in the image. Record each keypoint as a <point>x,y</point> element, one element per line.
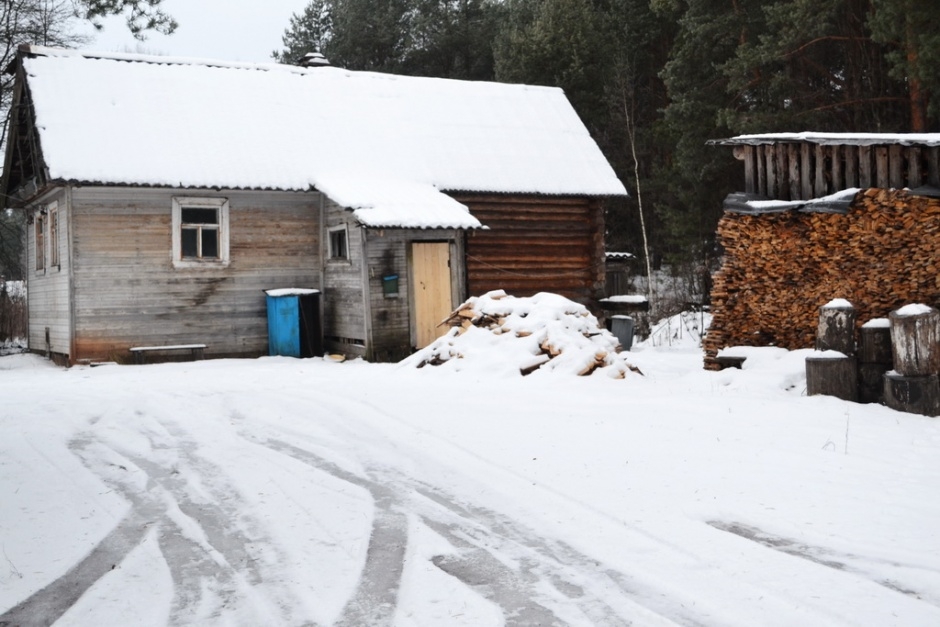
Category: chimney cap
<point>313,59</point>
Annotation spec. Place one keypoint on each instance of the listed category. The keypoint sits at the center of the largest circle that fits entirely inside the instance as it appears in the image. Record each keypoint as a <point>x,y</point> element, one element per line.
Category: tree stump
<point>874,359</point>
<point>914,395</point>
<point>832,374</point>
<point>874,342</point>
<point>871,385</point>
<point>915,340</point>
<point>836,329</point>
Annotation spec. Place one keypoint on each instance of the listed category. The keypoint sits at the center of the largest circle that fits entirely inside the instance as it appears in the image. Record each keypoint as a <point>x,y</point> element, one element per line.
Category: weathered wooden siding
<point>48,299</point>
<point>128,293</point>
<point>802,171</point>
<point>344,317</point>
<point>388,253</point>
<point>536,244</point>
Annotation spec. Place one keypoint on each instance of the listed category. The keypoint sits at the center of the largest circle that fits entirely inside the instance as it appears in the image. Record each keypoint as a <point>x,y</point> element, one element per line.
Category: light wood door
<point>430,262</point>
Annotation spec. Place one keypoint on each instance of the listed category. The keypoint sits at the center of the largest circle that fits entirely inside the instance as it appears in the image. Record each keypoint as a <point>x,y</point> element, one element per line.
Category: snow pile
<point>542,333</point>
<point>914,309</point>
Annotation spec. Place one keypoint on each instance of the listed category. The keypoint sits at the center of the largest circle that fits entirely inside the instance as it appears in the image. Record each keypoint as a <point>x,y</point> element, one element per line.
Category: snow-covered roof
<point>828,139</point>
<point>163,121</point>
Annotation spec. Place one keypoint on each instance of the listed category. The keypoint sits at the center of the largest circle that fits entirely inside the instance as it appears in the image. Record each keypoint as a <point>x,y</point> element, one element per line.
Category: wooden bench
<point>196,350</point>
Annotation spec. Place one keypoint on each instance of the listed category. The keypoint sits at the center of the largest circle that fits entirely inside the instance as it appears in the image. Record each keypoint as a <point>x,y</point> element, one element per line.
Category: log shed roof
<point>832,139</point>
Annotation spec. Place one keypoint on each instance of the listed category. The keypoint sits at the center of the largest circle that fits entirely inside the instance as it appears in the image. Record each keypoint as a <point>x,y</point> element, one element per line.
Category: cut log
<point>871,386</point>
<point>874,344</point>
<point>836,330</point>
<point>915,340</point>
<point>914,395</point>
<point>832,374</point>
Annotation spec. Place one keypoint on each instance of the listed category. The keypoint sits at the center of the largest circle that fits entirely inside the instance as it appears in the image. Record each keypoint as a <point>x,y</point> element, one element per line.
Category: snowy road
<point>286,492</point>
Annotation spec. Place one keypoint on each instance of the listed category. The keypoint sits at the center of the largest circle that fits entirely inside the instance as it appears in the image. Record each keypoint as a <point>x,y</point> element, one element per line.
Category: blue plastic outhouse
<point>294,322</point>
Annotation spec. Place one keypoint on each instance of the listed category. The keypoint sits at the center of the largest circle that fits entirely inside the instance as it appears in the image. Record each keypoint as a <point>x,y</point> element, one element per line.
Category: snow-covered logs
<point>833,374</point>
<point>915,340</point>
<point>832,370</point>
<point>779,268</point>
<point>542,333</point>
<point>914,386</point>
<point>908,340</point>
<point>874,359</point>
<point>836,328</point>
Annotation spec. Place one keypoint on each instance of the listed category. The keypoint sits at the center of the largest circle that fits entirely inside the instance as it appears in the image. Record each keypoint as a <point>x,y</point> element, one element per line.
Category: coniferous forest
<point>666,74</point>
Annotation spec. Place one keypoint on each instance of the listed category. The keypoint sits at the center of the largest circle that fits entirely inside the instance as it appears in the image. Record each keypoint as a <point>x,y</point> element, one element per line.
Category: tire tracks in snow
<point>550,576</point>
<point>830,558</point>
<point>212,561</point>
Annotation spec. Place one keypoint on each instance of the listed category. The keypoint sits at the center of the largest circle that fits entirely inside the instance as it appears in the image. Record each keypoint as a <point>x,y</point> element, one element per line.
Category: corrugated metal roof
<point>144,120</point>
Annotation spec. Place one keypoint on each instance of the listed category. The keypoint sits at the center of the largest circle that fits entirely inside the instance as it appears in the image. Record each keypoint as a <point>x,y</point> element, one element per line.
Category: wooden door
<point>430,263</point>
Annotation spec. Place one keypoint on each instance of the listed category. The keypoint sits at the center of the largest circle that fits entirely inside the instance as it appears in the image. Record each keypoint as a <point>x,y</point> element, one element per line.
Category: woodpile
<point>780,268</point>
<point>466,316</point>
<point>542,333</point>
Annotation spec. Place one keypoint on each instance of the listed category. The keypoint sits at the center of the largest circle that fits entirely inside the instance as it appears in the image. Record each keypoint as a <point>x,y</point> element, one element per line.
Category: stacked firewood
<point>780,268</point>
<point>468,315</point>
<point>541,333</point>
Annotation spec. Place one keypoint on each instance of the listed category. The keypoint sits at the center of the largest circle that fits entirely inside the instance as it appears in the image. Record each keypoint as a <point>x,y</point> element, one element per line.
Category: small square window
<point>200,233</point>
<point>339,248</point>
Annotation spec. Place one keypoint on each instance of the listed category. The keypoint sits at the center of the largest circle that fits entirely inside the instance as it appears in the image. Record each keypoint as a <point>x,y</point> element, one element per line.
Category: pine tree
<point>911,31</point>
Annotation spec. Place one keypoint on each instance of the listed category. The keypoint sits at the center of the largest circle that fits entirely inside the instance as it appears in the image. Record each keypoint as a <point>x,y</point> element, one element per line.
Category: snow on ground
<point>280,491</point>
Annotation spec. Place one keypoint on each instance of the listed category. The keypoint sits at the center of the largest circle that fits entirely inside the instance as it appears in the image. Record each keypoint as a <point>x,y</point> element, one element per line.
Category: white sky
<point>229,30</point>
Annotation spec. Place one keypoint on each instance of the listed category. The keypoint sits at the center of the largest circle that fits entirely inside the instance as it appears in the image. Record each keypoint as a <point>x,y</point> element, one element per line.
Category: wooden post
<point>914,395</point>
<point>832,374</point>
<point>864,167</point>
<point>851,166</point>
<point>771,164</point>
<point>793,161</point>
<point>806,169</point>
<point>783,186</point>
<point>820,186</point>
<point>836,330</point>
<point>894,166</point>
<point>835,159</point>
<point>915,340</point>
<point>881,166</point>
<point>933,166</point>
<point>761,171</point>
<point>915,177</point>
<point>750,185</point>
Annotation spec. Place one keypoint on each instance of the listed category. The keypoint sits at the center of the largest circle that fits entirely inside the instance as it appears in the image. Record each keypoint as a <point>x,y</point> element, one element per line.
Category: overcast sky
<point>229,30</point>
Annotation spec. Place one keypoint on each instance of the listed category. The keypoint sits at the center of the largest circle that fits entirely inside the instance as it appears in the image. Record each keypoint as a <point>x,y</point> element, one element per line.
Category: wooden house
<point>164,196</point>
<point>824,216</point>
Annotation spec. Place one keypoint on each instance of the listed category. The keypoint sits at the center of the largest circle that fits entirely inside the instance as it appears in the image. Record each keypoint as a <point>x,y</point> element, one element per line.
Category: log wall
<point>536,244</point>
<point>779,269</point>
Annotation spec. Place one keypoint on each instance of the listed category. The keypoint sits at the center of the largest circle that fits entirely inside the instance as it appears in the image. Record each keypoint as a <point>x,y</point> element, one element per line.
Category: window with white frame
<point>339,243</point>
<point>40,241</point>
<point>53,218</point>
<point>200,232</point>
